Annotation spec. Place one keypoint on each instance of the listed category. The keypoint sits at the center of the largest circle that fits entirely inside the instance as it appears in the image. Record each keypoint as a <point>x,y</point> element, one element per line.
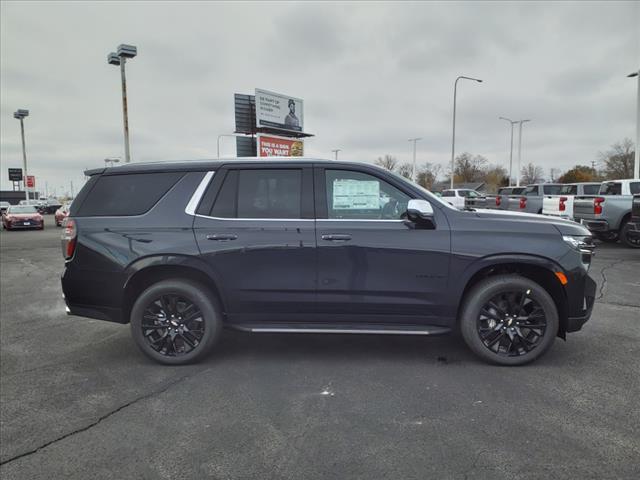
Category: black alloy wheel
<point>627,239</point>
<point>508,319</point>
<point>172,325</point>
<point>511,324</point>
<point>176,321</point>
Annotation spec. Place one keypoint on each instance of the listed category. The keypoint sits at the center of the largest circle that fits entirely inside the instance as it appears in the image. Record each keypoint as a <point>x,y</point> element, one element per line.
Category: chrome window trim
<point>190,209</point>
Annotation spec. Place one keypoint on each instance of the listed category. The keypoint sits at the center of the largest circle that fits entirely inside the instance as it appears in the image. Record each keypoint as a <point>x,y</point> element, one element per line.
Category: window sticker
<point>351,194</point>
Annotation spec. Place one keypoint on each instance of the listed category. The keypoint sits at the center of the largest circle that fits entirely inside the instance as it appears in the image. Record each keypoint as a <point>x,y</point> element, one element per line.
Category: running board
<point>364,329</point>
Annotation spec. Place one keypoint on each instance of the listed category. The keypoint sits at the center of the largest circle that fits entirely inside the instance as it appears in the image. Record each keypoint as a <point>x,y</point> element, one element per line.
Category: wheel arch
<point>539,269</point>
<point>149,270</point>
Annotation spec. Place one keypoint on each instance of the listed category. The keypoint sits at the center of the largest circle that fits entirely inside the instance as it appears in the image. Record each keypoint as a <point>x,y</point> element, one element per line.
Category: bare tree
<point>618,160</point>
<point>428,174</point>
<point>495,177</point>
<point>405,170</point>
<point>531,174</point>
<point>469,168</point>
<point>389,162</point>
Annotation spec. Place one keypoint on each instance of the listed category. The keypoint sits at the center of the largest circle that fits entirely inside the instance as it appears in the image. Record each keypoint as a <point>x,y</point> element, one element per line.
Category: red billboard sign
<point>31,181</point>
<point>272,146</point>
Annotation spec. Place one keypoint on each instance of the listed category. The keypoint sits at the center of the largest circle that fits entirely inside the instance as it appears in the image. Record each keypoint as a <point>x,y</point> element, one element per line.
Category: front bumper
<point>580,313</point>
<point>633,230</point>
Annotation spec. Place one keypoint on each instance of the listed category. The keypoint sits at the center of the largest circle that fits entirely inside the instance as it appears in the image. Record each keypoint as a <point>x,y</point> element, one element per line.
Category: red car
<point>22,216</point>
<point>61,214</point>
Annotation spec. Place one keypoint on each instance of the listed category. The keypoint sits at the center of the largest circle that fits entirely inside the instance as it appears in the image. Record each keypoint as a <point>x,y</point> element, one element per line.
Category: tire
<point>166,342</point>
<point>624,237</point>
<point>608,237</point>
<point>506,292</point>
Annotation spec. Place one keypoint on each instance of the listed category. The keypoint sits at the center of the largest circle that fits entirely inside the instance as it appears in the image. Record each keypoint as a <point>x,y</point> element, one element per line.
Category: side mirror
<point>420,212</point>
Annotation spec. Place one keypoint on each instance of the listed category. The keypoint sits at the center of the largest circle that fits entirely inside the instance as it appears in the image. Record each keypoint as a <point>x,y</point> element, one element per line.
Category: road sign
<point>31,181</point>
<point>15,174</point>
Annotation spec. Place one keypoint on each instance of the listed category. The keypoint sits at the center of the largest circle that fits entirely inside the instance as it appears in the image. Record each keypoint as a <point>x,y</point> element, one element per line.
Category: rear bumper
<point>595,225</point>
<point>581,301</point>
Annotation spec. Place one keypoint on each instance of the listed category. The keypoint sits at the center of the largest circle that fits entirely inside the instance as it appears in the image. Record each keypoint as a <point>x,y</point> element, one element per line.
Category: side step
<point>370,329</point>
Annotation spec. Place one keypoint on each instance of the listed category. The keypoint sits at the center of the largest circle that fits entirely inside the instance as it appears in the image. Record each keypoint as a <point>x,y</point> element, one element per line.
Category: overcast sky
<point>371,76</point>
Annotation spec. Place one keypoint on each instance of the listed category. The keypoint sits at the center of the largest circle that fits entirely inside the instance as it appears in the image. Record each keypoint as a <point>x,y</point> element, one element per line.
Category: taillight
<point>69,238</point>
<point>498,201</point>
<point>563,207</point>
<point>597,205</point>
<point>523,202</point>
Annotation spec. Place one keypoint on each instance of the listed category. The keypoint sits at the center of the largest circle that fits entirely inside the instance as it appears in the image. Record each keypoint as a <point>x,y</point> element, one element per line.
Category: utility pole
<point>520,149</point>
<point>413,169</point>
<point>336,152</point>
<point>636,161</point>
<point>20,114</point>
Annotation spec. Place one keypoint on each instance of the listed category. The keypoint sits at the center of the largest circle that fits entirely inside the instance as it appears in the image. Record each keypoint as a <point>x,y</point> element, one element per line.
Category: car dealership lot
<point>79,400</point>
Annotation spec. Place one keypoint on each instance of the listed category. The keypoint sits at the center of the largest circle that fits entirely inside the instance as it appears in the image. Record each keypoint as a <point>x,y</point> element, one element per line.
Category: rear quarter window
<point>634,187</point>
<point>125,195</point>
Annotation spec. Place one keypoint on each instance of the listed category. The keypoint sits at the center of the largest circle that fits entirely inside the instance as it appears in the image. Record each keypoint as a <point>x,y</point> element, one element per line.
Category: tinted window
<point>551,189</point>
<point>611,188</point>
<point>634,187</point>
<point>226,201</point>
<point>269,193</point>
<point>569,190</point>
<point>517,190</point>
<point>591,189</point>
<point>448,193</point>
<point>356,195</point>
<point>133,194</point>
<point>532,190</point>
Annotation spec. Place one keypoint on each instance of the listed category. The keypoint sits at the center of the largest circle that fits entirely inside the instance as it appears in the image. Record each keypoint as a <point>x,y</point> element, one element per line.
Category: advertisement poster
<point>31,181</point>
<point>356,195</point>
<point>272,146</point>
<point>283,112</point>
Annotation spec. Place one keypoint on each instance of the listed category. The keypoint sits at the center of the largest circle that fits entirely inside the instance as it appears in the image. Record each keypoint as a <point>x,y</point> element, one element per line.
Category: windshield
<point>22,209</point>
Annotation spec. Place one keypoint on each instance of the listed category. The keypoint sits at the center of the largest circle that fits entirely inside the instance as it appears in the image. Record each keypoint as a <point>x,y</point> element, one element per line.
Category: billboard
<point>31,181</point>
<point>15,174</point>
<point>272,146</point>
<point>282,112</point>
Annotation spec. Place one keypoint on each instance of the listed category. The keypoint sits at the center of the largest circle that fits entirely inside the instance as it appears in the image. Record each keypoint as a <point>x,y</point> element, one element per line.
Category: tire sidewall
<point>623,236</point>
<point>195,293</point>
<point>482,293</point>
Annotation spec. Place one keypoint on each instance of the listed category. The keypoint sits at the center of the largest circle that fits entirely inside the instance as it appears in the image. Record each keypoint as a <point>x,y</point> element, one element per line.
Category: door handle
<point>336,237</point>
<point>222,237</point>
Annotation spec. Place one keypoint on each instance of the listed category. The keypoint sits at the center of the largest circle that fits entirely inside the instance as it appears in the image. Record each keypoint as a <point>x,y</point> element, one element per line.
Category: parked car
<point>457,196</point>
<point>561,205</point>
<point>504,197</point>
<point>608,213</point>
<point>22,217</point>
<point>532,196</point>
<point>632,229</point>
<point>61,214</point>
<point>4,206</point>
<point>181,249</point>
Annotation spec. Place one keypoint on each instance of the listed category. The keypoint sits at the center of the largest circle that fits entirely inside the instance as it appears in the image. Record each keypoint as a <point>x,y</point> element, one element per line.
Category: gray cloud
<point>371,74</point>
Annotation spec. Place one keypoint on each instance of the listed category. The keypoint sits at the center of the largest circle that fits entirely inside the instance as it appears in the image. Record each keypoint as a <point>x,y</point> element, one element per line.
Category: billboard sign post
<point>273,146</point>
<point>280,112</point>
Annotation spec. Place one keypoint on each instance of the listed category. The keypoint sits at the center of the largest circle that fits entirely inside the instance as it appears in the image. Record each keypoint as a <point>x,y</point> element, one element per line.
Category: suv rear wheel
<point>629,241</point>
<point>176,322</point>
<point>509,320</point>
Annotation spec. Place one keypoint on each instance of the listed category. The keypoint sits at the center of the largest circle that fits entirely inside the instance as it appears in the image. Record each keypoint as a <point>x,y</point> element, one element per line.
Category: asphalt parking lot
<point>78,400</point>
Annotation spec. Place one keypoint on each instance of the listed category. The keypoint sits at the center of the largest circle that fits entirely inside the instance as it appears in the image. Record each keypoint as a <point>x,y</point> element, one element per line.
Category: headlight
<point>583,244</point>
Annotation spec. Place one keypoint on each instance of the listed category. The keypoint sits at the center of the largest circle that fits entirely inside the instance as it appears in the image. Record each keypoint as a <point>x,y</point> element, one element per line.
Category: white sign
<point>274,110</point>
<point>356,195</point>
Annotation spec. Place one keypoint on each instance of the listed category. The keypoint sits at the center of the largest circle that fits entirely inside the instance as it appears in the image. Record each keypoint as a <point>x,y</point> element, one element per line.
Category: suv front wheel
<point>509,320</point>
<point>176,322</point>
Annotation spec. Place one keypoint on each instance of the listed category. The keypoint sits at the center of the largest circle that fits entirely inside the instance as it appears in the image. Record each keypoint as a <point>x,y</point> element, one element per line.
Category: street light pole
<point>20,114</point>
<point>120,58</point>
<point>336,152</point>
<point>413,169</point>
<point>520,149</point>
<point>511,150</point>
<point>636,161</point>
<point>453,138</point>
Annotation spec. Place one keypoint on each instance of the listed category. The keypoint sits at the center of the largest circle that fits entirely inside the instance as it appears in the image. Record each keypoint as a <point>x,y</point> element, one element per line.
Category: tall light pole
<point>336,152</point>
<point>112,160</point>
<point>511,150</point>
<point>453,138</point>
<point>413,169</point>
<point>520,148</point>
<point>120,58</point>
<point>636,161</point>
<point>20,114</point>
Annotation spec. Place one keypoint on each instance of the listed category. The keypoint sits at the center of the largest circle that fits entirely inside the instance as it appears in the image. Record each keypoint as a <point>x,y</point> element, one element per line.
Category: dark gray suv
<point>182,249</point>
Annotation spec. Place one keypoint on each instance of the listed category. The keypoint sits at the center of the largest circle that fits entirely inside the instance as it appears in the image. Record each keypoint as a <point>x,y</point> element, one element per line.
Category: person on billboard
<point>291,120</point>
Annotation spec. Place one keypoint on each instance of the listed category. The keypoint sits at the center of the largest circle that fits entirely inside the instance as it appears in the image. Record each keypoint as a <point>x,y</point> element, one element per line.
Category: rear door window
<point>531,191</point>
<point>611,188</point>
<point>591,189</point>
<point>551,189</point>
<point>125,195</point>
<point>634,187</point>
<point>569,190</point>
<point>448,193</point>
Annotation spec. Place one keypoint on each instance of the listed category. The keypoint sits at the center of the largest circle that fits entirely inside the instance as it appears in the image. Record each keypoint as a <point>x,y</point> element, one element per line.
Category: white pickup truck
<point>562,205</point>
<point>456,196</point>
